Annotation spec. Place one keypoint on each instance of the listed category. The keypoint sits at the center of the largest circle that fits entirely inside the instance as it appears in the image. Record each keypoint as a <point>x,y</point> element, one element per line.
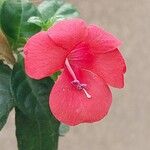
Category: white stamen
<point>87,94</point>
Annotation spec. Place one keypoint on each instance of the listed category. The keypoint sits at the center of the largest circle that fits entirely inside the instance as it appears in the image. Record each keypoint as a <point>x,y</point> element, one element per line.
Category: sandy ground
<point>127,125</point>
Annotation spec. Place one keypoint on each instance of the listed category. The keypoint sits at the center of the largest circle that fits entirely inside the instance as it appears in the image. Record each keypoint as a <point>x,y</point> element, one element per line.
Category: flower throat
<point>76,82</point>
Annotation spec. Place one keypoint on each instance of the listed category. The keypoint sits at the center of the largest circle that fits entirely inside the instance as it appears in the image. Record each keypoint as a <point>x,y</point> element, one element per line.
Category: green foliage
<point>35,134</point>
<point>56,9</point>
<point>55,75</point>
<point>6,100</point>
<point>63,129</point>
<point>53,11</point>
<point>36,126</point>
<point>1,1</point>
<point>36,20</point>
<point>14,16</point>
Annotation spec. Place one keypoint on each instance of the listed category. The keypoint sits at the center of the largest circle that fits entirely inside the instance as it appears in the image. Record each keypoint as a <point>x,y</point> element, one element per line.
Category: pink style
<point>89,60</point>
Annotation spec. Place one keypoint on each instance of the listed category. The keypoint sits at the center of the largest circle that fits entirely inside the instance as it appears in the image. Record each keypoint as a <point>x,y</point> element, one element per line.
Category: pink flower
<point>89,59</point>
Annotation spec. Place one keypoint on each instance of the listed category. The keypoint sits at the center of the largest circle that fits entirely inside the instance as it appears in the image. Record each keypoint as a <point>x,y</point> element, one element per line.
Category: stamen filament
<point>76,81</point>
<point>70,70</point>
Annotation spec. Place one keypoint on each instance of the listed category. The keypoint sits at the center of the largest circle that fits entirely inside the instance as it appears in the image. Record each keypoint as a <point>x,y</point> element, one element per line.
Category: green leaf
<point>1,2</point>
<point>6,100</point>
<point>49,8</point>
<point>34,134</point>
<point>14,16</point>
<point>55,75</point>
<point>36,20</point>
<point>63,129</point>
<point>36,127</point>
<point>67,10</point>
<point>56,10</point>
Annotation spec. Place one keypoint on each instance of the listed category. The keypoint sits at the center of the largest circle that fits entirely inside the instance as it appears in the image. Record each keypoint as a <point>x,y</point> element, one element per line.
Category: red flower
<point>89,59</point>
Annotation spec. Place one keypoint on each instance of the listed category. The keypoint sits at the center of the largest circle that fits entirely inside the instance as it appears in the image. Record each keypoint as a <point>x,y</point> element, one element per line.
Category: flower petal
<point>72,107</point>
<point>68,33</point>
<point>42,56</point>
<point>101,41</point>
<point>81,56</point>
<point>111,67</point>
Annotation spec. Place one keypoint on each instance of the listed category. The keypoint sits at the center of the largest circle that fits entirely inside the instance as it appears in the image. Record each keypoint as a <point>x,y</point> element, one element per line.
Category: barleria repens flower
<point>89,60</point>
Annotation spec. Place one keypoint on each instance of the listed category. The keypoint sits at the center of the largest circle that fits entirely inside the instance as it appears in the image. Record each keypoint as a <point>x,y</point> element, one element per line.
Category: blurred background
<point>127,127</point>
